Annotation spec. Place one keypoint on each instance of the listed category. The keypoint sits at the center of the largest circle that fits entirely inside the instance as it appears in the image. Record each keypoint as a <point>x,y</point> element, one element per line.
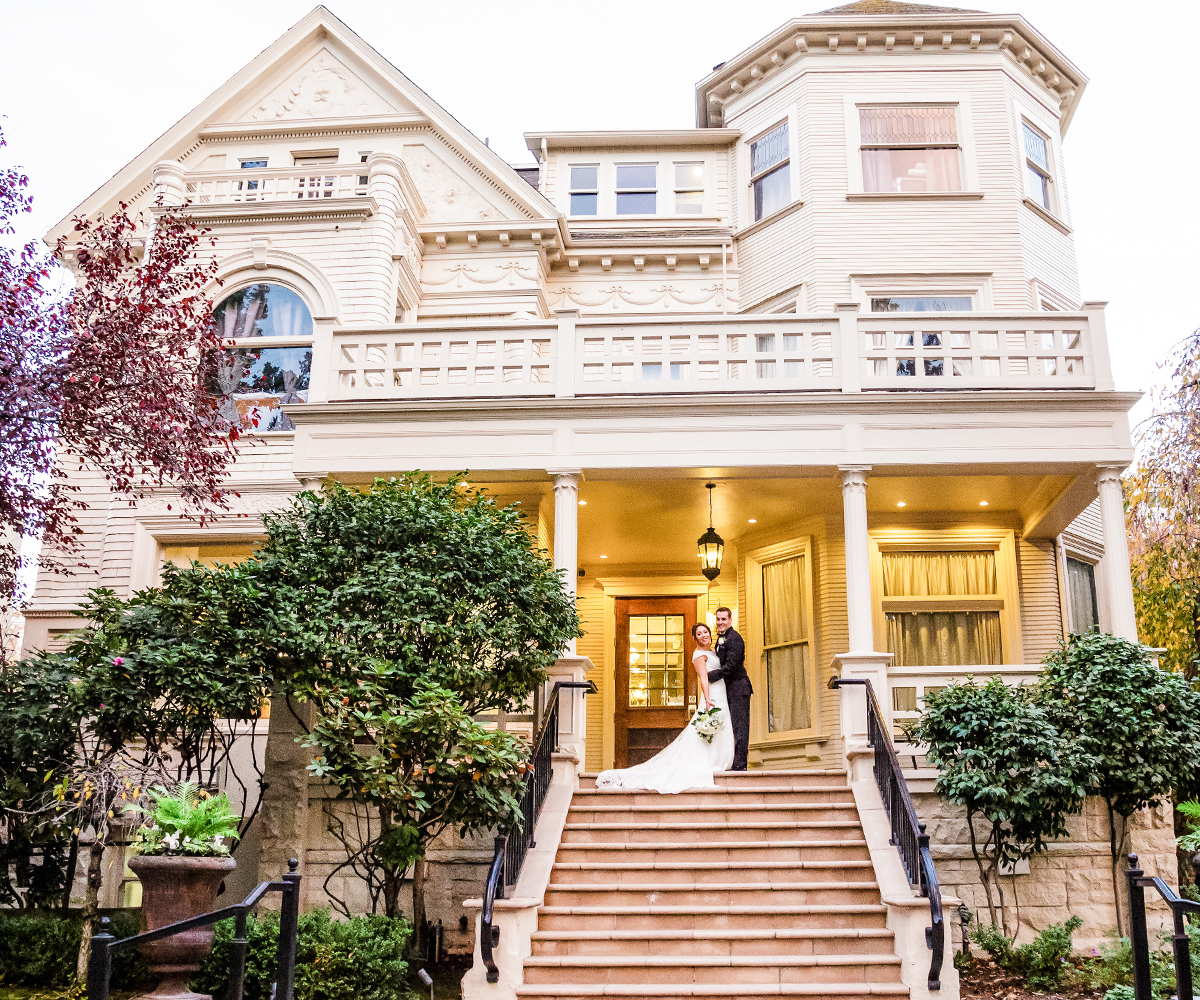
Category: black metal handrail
<point>908,832</point>
<point>1139,942</point>
<point>104,945</point>
<point>510,848</point>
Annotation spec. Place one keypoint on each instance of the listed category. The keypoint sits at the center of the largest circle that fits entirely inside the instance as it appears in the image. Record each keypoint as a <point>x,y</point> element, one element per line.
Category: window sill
<point>762,223</point>
<point>1037,210</point>
<point>914,196</point>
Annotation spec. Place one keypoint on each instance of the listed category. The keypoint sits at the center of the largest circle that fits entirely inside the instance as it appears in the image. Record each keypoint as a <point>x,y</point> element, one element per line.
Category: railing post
<point>564,376</point>
<point>237,958</point>
<point>100,963</point>
<point>1139,945</point>
<point>850,348</point>
<point>285,974</point>
<point>1183,955</point>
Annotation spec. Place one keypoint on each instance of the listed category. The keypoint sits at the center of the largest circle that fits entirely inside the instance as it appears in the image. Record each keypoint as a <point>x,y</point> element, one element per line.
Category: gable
<point>323,88</point>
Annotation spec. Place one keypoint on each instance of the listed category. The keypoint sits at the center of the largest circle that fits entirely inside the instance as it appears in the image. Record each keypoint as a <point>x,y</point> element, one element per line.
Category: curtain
<point>944,638</point>
<point>1081,587</point>
<point>911,170</point>
<point>784,627</point>
<point>933,574</point>
<point>787,689</point>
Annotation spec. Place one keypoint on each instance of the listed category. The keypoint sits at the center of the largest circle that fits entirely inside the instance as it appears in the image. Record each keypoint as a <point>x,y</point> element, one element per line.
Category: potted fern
<point>183,856</point>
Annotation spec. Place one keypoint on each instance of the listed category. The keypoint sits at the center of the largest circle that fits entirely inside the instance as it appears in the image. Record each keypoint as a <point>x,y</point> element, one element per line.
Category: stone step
<point>730,852</point>
<point>671,812</point>
<point>747,779</point>
<point>711,833</point>
<point>715,991</point>
<point>710,918</point>
<point>721,794</point>
<point>755,872</point>
<point>712,970</point>
<point>796,941</point>
<point>713,894</point>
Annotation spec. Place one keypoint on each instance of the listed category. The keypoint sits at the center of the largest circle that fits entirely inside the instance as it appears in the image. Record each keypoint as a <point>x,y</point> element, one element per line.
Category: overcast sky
<point>84,87</point>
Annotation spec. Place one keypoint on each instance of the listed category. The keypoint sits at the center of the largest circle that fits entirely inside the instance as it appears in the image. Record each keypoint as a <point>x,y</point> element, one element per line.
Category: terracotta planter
<point>173,889</point>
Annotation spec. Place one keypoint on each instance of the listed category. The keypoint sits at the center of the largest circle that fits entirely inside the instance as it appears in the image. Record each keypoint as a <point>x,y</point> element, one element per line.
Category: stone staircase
<point>761,886</point>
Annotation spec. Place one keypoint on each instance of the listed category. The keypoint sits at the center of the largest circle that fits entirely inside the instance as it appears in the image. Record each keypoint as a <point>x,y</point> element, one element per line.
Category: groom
<point>731,651</point>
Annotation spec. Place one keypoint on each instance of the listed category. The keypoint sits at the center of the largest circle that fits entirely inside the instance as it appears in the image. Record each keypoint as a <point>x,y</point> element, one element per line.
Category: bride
<point>690,760</point>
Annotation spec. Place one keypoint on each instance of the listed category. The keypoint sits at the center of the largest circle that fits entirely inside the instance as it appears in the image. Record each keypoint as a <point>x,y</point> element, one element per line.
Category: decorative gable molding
<point>324,88</point>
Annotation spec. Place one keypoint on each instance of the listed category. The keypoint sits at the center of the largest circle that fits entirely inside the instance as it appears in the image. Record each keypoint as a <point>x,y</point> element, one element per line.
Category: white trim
<point>241,270</point>
<point>977,285</point>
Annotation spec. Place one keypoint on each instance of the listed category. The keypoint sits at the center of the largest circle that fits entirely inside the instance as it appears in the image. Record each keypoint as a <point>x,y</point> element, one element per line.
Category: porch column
<point>1116,554</point>
<point>566,530</point>
<point>862,660</point>
<point>858,566</point>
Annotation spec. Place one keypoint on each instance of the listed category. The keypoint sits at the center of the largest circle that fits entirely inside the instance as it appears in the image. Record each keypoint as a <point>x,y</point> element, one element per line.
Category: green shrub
<point>1111,970</point>
<point>1120,993</point>
<point>1041,962</point>
<point>362,957</point>
<point>40,949</point>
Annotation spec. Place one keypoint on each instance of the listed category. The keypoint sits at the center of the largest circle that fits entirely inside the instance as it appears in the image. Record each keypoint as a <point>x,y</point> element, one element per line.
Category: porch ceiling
<point>654,521</point>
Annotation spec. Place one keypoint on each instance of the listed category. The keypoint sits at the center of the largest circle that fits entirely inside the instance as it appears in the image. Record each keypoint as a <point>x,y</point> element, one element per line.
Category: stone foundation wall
<point>1073,877</point>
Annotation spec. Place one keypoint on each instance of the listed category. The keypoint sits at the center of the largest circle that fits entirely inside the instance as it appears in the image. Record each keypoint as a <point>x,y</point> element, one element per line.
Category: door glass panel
<point>656,661</point>
<point>785,636</point>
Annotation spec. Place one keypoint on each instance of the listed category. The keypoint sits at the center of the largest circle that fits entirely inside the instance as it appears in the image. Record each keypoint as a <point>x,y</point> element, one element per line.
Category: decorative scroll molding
<point>325,89</point>
<point>460,272</point>
<point>615,296</point>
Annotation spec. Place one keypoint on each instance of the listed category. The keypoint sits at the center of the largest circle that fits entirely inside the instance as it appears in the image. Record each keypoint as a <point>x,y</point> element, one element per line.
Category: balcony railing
<point>258,185</point>
<point>842,352</point>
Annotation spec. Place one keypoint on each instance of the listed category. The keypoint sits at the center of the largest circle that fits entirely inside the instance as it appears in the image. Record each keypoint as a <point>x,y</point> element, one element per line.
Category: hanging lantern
<point>710,545</point>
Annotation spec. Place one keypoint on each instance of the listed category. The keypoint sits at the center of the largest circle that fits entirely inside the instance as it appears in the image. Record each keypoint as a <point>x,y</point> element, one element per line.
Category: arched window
<point>253,380</point>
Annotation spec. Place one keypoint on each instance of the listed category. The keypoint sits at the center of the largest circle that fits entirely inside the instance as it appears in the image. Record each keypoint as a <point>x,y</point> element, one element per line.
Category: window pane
<point>932,574</point>
<point>944,638</point>
<point>1081,587</point>
<point>689,176</point>
<point>656,661</point>
<point>1038,187</point>
<point>584,204</point>
<point>911,170</point>
<point>771,149</point>
<point>922,303</point>
<point>783,602</point>
<point>771,193</point>
<point>1035,148</point>
<point>637,175</point>
<point>911,125</point>
<point>636,203</point>
<point>254,384</point>
<point>584,178</point>
<point>788,705</point>
<point>253,164</point>
<point>263,311</point>
<point>689,202</point>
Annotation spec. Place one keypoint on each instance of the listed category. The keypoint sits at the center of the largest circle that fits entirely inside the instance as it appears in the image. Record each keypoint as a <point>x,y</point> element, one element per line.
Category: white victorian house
<point>848,298</point>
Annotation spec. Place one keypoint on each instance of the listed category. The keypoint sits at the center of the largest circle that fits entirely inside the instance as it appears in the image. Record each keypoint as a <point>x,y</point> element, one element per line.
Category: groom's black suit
<point>731,651</point>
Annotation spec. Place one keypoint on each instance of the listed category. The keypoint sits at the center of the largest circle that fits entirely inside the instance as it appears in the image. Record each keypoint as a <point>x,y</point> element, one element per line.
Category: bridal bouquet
<point>708,723</point>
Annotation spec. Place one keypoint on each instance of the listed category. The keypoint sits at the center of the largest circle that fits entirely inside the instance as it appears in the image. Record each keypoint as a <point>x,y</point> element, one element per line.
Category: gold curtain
<point>944,638</point>
<point>784,627</point>
<point>930,574</point>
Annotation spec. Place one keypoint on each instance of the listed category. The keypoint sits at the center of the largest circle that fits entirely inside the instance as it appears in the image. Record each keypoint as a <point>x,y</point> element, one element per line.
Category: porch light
<point>983,503</point>
<point>710,545</point>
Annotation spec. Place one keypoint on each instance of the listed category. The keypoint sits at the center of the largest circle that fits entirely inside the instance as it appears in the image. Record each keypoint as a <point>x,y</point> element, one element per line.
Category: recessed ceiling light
<point>901,503</point>
<point>982,503</point>
<point>753,520</point>
<point>604,557</point>
<point>582,503</point>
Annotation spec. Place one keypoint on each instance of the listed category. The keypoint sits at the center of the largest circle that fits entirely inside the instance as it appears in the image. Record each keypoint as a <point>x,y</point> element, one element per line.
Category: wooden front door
<point>655,682</point>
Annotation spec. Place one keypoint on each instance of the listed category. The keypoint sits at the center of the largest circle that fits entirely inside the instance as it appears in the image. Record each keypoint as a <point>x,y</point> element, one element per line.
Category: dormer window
<point>910,149</point>
<point>637,188</point>
<point>585,188</point>
<point>770,177</point>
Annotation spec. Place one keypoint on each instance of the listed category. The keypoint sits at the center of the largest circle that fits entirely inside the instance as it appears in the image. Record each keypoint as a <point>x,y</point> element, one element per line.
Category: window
<point>317,160</point>
<point>910,150</point>
<point>585,189</point>
<point>254,381</point>
<point>253,164</point>
<point>785,645</point>
<point>1081,595</point>
<point>637,188</point>
<point>770,176</point>
<point>942,608</point>
<point>689,188</point>
<point>656,667</point>
<point>921,303</point>
<point>1037,166</point>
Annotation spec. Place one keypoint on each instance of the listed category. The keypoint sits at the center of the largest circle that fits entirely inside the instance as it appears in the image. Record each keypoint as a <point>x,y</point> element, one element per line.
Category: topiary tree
<point>1139,726</point>
<point>999,756</point>
<point>402,610</point>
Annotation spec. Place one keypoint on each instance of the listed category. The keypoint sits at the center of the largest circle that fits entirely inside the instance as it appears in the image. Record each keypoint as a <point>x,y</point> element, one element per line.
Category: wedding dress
<point>690,760</point>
